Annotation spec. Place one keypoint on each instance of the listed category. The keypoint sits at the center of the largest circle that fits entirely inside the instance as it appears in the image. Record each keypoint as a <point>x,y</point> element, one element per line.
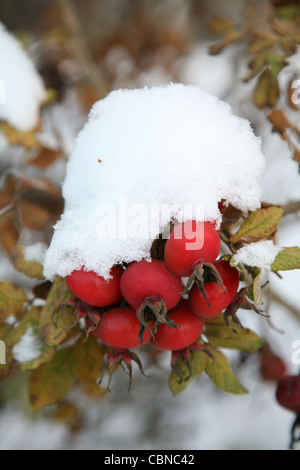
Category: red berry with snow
<point>94,289</point>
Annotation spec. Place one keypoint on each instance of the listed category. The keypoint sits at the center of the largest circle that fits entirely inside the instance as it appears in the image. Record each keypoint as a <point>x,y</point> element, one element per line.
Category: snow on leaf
<point>260,254</point>
<point>12,300</point>
<point>28,348</point>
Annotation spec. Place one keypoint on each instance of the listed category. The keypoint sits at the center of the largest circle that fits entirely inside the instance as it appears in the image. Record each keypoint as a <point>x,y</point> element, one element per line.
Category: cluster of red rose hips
<point>148,302</point>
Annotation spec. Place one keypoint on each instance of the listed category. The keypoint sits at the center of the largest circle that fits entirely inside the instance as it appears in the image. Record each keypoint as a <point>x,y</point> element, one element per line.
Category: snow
<point>21,88</point>
<point>261,254</point>
<point>201,69</point>
<point>11,320</point>
<point>35,252</point>
<point>143,157</point>
<point>28,348</point>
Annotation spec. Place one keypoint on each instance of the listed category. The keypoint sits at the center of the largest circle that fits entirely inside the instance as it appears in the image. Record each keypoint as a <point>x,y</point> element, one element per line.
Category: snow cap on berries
<point>141,152</point>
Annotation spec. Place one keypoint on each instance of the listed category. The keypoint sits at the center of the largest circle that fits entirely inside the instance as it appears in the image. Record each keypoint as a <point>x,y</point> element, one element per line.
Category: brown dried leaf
<point>69,415</point>
<point>45,158</point>
<point>12,300</point>
<point>16,137</point>
<point>29,268</point>
<point>280,122</point>
<point>296,156</point>
<point>9,233</point>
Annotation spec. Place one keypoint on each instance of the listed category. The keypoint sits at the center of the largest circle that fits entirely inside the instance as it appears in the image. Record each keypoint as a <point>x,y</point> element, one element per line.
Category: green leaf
<point>267,91</point>
<point>276,63</point>
<point>29,268</point>
<point>58,295</point>
<point>223,25</point>
<point>289,12</point>
<point>12,300</point>
<point>222,375</point>
<point>254,292</point>
<point>88,359</point>
<point>198,364</point>
<point>287,259</point>
<point>259,225</point>
<point>260,42</point>
<point>222,336</point>
<point>51,382</point>
<point>256,66</point>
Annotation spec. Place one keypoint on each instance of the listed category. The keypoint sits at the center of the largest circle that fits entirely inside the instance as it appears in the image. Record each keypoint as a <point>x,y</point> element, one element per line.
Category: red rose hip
<point>189,331</point>
<point>216,298</point>
<point>94,289</point>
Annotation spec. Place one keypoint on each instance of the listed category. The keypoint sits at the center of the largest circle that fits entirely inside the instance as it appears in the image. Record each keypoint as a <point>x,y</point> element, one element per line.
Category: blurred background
<point>83,50</point>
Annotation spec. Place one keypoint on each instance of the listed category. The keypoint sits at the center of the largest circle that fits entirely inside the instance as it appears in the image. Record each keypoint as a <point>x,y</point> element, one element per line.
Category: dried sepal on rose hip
<point>184,356</point>
<point>119,329</point>
<point>81,311</point>
<point>214,299</point>
<point>151,290</point>
<point>96,290</point>
<point>189,329</point>
<point>179,341</point>
<point>191,250</point>
<point>240,300</point>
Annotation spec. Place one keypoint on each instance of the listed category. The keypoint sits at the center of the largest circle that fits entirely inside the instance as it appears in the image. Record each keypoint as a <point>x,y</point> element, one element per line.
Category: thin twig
<point>275,297</point>
<point>81,49</point>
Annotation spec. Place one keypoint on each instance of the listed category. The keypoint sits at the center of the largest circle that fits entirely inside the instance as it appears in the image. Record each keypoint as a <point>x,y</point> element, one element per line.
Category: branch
<point>295,313</point>
<point>81,49</point>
